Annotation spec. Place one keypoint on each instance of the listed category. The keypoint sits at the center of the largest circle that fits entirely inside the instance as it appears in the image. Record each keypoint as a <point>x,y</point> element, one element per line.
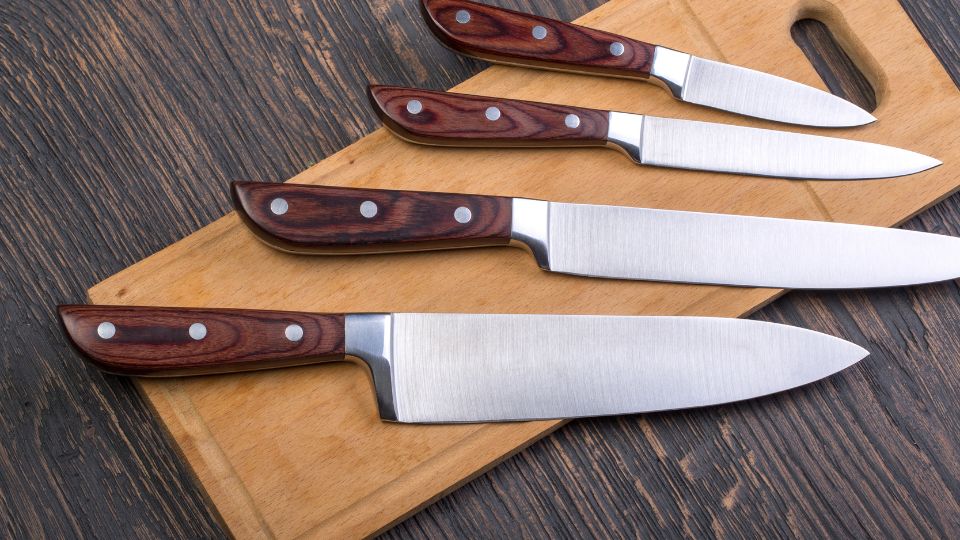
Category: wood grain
<point>449,118</point>
<point>329,220</point>
<point>124,125</point>
<point>511,37</point>
<point>162,341</point>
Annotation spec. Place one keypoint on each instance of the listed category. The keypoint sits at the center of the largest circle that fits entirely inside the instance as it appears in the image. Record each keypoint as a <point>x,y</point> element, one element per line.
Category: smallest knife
<point>514,38</point>
<point>599,241</point>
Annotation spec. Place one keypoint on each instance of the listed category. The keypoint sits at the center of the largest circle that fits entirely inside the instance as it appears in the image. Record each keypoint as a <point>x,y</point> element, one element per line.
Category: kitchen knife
<point>600,241</point>
<point>448,119</point>
<point>509,37</point>
<point>429,368</point>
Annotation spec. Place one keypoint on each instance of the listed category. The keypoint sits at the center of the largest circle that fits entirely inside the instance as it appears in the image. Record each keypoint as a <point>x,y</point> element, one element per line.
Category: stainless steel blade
<point>753,93</point>
<point>692,247</point>
<point>477,368</point>
<point>686,144</point>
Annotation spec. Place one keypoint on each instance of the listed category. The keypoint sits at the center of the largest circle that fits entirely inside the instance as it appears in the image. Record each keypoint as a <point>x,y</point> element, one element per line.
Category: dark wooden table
<point>122,124</point>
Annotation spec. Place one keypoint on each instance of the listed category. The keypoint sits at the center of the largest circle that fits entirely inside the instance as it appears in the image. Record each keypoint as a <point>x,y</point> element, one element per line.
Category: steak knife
<point>510,37</point>
<point>599,241</point>
<point>432,368</point>
<point>448,119</point>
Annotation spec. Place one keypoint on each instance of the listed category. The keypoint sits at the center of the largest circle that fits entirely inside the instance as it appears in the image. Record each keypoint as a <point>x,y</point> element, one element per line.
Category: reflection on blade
<point>749,92</point>
<point>688,144</point>
<point>692,247</point>
<point>475,368</point>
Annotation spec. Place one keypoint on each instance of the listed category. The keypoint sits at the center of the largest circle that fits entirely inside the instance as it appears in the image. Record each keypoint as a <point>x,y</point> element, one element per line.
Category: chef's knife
<point>431,368</point>
<point>448,119</point>
<point>600,241</point>
<point>509,37</point>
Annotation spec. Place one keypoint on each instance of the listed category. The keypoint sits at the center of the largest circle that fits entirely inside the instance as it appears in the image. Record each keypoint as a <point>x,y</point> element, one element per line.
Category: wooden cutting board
<point>301,452</point>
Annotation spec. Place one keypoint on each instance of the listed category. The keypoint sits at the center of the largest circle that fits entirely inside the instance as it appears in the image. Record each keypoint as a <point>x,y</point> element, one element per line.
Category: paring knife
<point>509,37</point>
<point>449,119</point>
<point>600,241</point>
<point>429,368</point>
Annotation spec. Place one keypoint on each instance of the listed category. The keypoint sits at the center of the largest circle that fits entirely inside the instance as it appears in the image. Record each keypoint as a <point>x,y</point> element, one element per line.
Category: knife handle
<point>448,119</point>
<point>333,220</point>
<point>155,341</point>
<point>510,37</point>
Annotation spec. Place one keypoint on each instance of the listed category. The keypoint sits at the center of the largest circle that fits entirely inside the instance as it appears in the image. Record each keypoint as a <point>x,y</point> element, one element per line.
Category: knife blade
<point>510,37</point>
<point>442,368</point>
<point>449,119</point>
<point>599,241</point>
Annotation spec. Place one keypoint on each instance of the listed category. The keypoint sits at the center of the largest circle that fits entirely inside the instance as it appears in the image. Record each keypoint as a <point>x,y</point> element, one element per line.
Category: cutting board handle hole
<point>837,69</point>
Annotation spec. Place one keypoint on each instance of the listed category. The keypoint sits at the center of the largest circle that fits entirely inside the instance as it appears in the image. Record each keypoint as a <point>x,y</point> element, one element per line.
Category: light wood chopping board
<point>301,451</point>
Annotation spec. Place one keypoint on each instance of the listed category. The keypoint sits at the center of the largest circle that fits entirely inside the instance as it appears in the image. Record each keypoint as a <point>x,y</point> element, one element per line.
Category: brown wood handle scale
<point>449,119</point>
<point>154,341</point>
<point>330,220</point>
<point>510,37</point>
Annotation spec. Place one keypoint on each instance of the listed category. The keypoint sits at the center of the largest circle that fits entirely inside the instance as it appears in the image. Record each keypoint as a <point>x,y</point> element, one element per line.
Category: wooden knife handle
<point>511,37</point>
<point>156,341</point>
<point>335,220</point>
<point>448,119</point>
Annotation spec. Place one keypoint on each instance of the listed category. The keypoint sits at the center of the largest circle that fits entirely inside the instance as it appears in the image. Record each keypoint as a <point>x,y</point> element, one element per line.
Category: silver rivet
<point>279,206</point>
<point>414,106</point>
<point>106,330</point>
<point>294,332</point>
<point>462,214</point>
<point>539,32</point>
<point>198,331</point>
<point>572,121</point>
<point>616,48</point>
<point>368,209</point>
<point>463,16</point>
<point>492,114</point>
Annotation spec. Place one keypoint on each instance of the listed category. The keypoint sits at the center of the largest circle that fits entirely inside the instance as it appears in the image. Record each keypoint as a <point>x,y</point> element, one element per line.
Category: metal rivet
<point>106,330</point>
<point>368,209</point>
<point>463,16</point>
<point>539,32</point>
<point>294,332</point>
<point>462,214</point>
<point>279,206</point>
<point>572,121</point>
<point>198,331</point>
<point>492,113</point>
<point>414,106</point>
<point>616,48</point>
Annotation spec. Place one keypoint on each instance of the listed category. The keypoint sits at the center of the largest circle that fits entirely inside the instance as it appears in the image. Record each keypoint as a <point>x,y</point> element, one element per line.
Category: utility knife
<point>599,241</point>
<point>449,119</point>
<point>440,368</point>
<point>509,37</point>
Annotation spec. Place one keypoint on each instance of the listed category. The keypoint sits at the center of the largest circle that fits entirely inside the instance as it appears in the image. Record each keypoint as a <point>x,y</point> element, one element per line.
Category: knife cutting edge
<point>442,368</point>
<point>449,119</point>
<point>599,241</point>
<point>510,37</point>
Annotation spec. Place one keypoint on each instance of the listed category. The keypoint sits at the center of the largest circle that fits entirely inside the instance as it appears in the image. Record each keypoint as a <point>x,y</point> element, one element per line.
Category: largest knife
<point>430,368</point>
<point>449,119</point>
<point>601,241</point>
<point>509,37</point>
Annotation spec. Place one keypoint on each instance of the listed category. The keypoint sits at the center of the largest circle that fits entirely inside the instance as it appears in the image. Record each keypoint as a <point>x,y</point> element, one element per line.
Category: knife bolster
<point>529,229</point>
<point>160,342</point>
<point>329,220</point>
<point>626,134</point>
<point>670,69</point>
